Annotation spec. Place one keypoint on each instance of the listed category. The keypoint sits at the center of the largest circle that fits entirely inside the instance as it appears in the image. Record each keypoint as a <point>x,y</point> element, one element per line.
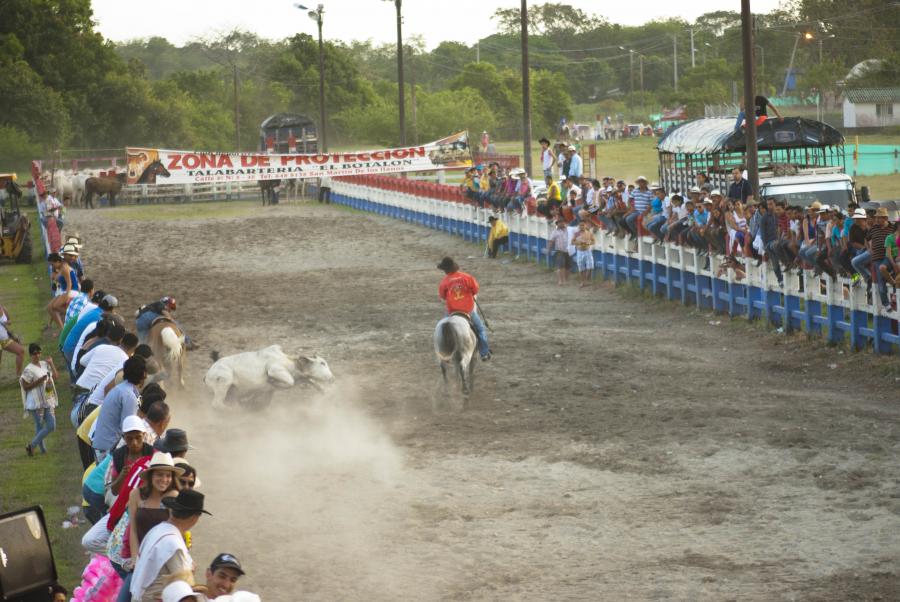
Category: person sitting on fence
<point>640,202</point>
<point>716,230</point>
<point>550,208</point>
<point>679,212</point>
<point>499,235</point>
<point>66,282</point>
<point>736,225</point>
<point>875,243</point>
<point>656,214</point>
<point>508,190</point>
<point>470,188</point>
<point>890,270</point>
<point>827,227</point>
<point>678,230</point>
<point>810,231</point>
<point>769,235</point>
<point>696,235</point>
<point>523,191</point>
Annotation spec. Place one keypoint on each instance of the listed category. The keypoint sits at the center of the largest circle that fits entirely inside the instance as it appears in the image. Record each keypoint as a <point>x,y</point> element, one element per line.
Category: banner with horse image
<point>158,166</point>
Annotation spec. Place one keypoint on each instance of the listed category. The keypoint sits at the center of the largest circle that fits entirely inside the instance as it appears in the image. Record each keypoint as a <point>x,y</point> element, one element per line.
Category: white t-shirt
<point>99,393</point>
<point>546,159</point>
<point>98,362</point>
<point>84,335</point>
<point>681,212</point>
<point>667,207</point>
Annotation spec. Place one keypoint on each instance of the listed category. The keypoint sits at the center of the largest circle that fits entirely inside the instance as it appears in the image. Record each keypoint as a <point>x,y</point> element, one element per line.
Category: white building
<point>871,107</point>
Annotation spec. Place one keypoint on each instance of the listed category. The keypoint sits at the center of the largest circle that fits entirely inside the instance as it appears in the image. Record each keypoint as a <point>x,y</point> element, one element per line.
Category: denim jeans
<point>775,259</point>
<point>882,283</point>
<point>44,424</point>
<point>480,331</point>
<point>631,223</point>
<point>861,263</point>
<point>655,225</point>
<point>96,507</point>
<point>809,254</point>
<point>125,592</point>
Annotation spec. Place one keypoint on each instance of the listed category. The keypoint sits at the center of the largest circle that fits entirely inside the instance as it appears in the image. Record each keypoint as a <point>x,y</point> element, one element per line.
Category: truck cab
<point>834,190</point>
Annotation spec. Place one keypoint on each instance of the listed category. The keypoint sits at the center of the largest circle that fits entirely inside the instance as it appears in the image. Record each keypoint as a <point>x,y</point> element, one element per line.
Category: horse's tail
<point>172,343</point>
<point>448,339</point>
<point>214,355</point>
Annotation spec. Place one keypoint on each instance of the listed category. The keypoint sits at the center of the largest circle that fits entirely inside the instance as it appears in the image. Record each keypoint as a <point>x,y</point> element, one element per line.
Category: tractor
<point>15,228</point>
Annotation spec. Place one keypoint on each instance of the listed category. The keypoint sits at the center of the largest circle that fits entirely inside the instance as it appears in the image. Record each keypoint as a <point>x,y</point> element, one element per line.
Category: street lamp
<point>630,66</point>
<point>316,15</point>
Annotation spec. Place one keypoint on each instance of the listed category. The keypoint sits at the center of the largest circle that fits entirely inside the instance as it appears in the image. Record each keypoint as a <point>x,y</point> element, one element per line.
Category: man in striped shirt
<point>640,200</point>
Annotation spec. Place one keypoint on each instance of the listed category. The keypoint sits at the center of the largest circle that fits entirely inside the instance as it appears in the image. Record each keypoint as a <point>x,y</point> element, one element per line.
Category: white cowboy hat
<point>694,190</point>
<point>639,178</point>
<point>860,213</point>
<point>69,249</point>
<point>73,240</point>
<point>716,192</point>
<point>824,209</point>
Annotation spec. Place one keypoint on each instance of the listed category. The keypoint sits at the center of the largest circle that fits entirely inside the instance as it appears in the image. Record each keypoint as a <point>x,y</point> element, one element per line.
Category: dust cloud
<point>304,492</point>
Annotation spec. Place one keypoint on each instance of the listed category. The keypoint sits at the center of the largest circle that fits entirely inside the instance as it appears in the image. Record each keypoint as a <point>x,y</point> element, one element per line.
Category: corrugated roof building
<point>871,107</point>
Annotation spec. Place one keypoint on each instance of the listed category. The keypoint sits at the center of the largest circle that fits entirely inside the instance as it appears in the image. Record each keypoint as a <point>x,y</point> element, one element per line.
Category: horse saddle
<point>467,318</point>
<point>162,319</point>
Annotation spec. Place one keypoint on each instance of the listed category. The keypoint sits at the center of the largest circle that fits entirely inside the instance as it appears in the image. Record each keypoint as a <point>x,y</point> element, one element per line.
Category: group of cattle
<point>80,187</point>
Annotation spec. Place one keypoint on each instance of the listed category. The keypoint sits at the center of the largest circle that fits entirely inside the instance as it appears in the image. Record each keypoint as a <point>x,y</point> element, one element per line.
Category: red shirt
<point>131,481</point>
<point>458,289</point>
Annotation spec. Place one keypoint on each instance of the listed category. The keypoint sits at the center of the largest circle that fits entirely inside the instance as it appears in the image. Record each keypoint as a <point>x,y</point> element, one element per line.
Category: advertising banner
<point>159,166</point>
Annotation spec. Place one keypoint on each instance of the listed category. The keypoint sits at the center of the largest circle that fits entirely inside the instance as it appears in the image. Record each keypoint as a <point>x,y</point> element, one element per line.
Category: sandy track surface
<point>615,449</point>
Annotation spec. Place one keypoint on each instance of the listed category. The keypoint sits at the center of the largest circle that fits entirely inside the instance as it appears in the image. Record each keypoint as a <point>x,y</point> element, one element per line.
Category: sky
<point>465,21</point>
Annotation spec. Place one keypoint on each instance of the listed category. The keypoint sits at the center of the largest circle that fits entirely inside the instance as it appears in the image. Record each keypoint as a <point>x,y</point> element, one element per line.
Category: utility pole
<point>526,90</point>
<point>641,63</point>
<point>675,59</point>
<point>237,112</point>
<point>631,68</point>
<point>322,135</point>
<point>749,113</point>
<point>790,68</point>
<point>398,4</point>
<point>412,95</point>
<point>693,50</point>
<point>478,52</point>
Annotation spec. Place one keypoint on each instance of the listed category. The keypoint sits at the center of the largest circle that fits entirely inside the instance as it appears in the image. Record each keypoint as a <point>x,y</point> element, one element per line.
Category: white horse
<point>455,343</point>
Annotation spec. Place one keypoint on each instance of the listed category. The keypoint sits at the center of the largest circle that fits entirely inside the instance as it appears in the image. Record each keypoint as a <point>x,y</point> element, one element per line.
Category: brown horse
<point>167,342</point>
<point>100,186</point>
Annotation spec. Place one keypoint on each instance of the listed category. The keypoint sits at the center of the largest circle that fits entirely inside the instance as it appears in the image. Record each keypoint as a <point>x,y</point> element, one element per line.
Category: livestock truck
<point>800,160</point>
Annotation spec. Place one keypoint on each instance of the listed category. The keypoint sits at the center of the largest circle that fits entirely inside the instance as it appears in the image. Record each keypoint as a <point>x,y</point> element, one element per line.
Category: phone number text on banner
<point>159,166</point>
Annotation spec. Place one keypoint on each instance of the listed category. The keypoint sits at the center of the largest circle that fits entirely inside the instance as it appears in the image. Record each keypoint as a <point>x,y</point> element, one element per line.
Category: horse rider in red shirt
<point>458,290</point>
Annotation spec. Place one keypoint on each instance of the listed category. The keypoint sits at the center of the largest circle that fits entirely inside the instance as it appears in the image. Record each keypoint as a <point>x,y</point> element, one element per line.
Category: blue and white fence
<point>832,310</point>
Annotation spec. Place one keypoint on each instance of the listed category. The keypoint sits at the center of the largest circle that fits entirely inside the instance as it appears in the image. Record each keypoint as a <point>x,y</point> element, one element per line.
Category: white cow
<point>253,376</point>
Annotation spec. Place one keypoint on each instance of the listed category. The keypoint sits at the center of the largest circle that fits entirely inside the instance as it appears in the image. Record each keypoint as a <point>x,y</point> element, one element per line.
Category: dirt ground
<point>615,449</point>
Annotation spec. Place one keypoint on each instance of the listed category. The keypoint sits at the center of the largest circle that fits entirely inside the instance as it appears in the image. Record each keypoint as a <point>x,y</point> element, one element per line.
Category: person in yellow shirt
<point>499,235</point>
<point>550,208</point>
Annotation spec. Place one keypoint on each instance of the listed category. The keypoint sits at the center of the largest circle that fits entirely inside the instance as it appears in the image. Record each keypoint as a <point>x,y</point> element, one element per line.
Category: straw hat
<point>881,212</point>
<point>161,461</point>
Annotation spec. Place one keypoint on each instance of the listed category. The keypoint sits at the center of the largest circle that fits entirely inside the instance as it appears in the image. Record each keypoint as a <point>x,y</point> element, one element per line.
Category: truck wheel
<point>24,255</point>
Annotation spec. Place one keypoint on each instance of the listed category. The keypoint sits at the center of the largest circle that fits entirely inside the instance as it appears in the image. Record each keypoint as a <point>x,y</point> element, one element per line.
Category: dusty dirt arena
<point>616,449</point>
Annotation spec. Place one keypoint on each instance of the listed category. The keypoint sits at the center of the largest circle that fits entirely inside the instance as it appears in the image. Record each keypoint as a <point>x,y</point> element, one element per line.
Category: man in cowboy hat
<point>458,290</point>
<point>163,551</point>
<point>547,158</point>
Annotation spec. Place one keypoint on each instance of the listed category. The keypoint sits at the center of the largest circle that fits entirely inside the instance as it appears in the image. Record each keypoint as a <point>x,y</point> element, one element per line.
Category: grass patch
<point>881,187</point>
<point>52,481</point>
<point>186,211</point>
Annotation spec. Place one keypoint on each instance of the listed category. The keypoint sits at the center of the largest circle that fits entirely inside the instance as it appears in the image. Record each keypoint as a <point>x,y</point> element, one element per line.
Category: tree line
<point>67,86</point>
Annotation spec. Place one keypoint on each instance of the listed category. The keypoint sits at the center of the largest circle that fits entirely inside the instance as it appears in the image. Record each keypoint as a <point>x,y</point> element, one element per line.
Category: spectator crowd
<point>141,493</point>
<point>851,242</point>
